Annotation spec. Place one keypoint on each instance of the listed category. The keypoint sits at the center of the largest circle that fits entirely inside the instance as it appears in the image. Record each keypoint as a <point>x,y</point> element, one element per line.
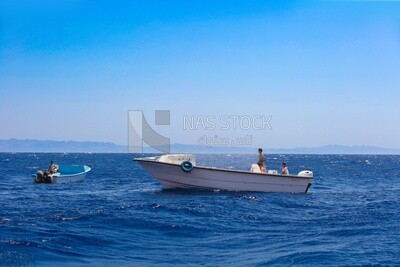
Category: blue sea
<point>120,215</point>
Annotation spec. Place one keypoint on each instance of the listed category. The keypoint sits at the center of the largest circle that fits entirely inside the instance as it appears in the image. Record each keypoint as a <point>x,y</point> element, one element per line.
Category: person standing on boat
<point>53,168</point>
<point>261,160</point>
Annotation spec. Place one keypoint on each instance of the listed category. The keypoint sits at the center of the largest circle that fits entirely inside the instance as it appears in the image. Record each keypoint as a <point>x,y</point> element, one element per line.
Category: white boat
<point>64,174</point>
<point>180,171</point>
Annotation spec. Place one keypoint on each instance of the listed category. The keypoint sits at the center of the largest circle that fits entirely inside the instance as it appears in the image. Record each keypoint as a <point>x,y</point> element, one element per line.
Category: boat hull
<point>69,179</point>
<point>172,176</point>
<point>67,174</point>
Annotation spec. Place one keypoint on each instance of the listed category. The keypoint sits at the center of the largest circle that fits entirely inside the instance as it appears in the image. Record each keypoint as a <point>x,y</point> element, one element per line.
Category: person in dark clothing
<point>261,160</point>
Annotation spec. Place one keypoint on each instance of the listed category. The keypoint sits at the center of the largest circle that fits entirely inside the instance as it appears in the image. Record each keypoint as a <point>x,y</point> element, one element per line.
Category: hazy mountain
<point>16,145</point>
<point>337,149</point>
<point>29,145</point>
<point>328,149</point>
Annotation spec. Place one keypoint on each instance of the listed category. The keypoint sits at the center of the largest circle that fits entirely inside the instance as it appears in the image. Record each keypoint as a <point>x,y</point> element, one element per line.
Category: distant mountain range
<point>29,145</point>
<point>328,149</point>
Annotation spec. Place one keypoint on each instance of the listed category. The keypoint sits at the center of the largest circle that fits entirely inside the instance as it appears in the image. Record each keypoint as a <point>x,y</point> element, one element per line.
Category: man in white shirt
<point>285,169</point>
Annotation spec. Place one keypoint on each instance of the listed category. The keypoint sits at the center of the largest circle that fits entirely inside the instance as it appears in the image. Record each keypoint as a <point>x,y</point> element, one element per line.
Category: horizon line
<point>201,145</point>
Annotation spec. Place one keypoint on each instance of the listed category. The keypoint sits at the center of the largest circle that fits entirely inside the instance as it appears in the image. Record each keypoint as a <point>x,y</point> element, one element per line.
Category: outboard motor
<point>306,173</point>
<point>39,177</point>
<point>43,177</point>
<point>48,178</point>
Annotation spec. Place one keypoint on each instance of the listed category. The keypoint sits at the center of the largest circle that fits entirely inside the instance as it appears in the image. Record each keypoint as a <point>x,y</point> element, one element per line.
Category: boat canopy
<point>71,169</point>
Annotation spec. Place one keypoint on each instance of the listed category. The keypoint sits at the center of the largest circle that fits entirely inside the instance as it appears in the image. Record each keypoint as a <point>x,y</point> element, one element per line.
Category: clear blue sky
<point>328,72</point>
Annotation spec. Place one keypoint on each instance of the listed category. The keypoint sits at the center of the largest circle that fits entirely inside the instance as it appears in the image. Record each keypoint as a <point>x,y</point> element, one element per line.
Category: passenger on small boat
<point>53,168</point>
<point>285,169</point>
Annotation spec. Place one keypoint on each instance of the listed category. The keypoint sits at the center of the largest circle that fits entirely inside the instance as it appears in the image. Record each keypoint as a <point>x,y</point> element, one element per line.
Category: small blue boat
<point>63,174</point>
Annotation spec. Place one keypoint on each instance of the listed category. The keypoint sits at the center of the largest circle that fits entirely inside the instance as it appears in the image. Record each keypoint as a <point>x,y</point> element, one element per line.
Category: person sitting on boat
<point>53,168</point>
<point>285,169</point>
<point>261,161</point>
